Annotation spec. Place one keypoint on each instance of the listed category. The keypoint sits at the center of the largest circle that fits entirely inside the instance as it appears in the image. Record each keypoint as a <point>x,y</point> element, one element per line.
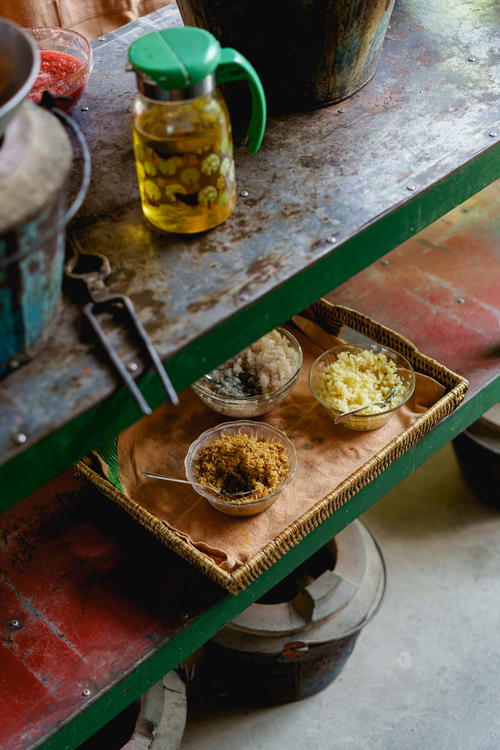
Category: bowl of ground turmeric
<point>248,464</point>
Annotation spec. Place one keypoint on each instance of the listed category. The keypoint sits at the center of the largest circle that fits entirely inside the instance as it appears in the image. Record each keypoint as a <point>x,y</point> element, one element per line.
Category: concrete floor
<point>426,672</point>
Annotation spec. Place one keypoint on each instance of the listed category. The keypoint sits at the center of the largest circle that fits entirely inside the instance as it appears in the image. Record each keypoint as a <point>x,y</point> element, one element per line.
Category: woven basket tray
<point>331,318</point>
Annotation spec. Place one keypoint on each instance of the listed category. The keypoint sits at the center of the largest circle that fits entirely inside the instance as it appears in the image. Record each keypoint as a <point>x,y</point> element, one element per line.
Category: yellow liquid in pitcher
<point>184,160</point>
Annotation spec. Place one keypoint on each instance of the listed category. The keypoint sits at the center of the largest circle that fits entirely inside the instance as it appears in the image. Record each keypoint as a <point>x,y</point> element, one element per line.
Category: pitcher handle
<point>234,67</point>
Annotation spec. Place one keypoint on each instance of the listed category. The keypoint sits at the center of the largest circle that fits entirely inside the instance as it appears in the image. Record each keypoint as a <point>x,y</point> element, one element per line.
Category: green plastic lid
<point>176,58</point>
<point>180,58</point>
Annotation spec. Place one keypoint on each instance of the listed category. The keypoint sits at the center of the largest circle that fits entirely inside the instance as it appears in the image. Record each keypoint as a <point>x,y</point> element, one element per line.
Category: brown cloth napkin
<point>327,455</point>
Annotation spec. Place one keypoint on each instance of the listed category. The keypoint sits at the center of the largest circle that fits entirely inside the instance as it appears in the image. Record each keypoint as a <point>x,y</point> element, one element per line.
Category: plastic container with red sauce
<point>65,64</point>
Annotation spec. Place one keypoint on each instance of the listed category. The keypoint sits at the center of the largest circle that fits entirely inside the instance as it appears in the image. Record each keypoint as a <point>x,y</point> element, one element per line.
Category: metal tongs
<point>91,270</point>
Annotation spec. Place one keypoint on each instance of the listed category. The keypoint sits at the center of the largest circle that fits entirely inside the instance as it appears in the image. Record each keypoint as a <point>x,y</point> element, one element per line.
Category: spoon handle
<point>175,479</point>
<point>196,484</point>
<point>346,414</point>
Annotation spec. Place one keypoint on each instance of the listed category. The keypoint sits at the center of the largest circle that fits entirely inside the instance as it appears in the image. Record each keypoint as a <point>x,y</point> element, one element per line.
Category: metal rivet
<point>493,134</point>
<point>385,262</point>
<point>19,438</point>
<point>184,616</point>
<point>244,193</point>
<point>333,240</point>
<point>472,58</point>
<point>341,110</point>
<point>14,623</point>
<point>84,109</point>
<point>14,364</point>
<point>86,692</point>
<point>132,367</point>
<point>411,188</point>
<point>460,300</point>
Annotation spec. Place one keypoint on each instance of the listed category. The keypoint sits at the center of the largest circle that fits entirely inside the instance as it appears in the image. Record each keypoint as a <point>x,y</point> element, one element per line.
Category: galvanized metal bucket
<point>308,53</point>
<point>35,160</point>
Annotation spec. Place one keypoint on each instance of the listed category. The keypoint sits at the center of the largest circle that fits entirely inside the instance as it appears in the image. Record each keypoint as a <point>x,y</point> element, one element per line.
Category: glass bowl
<point>66,72</point>
<point>363,422</point>
<point>250,406</point>
<point>255,429</point>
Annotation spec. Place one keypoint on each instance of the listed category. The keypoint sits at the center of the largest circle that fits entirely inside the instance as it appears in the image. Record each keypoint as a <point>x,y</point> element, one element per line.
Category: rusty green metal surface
<point>69,558</point>
<point>37,463</point>
<point>321,175</point>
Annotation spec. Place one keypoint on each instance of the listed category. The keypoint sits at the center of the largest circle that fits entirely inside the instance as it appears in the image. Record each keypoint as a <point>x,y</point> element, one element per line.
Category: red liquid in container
<point>55,70</point>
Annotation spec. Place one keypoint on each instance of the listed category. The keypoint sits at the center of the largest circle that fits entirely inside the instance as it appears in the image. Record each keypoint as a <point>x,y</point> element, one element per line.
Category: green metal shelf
<point>190,635</point>
<point>203,299</point>
<point>130,610</point>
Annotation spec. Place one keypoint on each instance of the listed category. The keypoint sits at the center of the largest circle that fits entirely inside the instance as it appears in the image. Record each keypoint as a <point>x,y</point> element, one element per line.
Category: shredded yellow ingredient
<point>357,378</point>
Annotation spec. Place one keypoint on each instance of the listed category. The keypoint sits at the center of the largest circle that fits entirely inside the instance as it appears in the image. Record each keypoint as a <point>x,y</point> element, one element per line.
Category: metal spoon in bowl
<point>241,493</point>
<point>346,414</point>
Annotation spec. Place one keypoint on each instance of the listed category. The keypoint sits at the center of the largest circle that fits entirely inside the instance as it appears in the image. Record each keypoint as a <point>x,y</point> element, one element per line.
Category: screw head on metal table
<point>15,623</point>
<point>244,193</point>
<point>86,692</point>
<point>411,188</point>
<point>385,262</point>
<point>493,134</point>
<point>471,58</point>
<point>19,438</point>
<point>132,367</point>
<point>460,300</point>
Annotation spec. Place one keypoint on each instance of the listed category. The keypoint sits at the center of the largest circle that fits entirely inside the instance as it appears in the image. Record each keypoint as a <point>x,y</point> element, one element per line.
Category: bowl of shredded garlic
<point>349,376</point>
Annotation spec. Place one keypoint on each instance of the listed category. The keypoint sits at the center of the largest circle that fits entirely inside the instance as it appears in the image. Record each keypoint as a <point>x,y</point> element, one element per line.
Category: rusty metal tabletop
<point>330,191</point>
<point>95,610</point>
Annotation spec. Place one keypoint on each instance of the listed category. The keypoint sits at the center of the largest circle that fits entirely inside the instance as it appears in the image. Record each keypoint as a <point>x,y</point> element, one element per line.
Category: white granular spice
<point>357,378</point>
<point>262,367</point>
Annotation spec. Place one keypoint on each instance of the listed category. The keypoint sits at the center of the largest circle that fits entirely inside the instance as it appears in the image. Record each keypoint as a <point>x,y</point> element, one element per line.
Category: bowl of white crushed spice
<point>255,380</point>
<point>351,375</point>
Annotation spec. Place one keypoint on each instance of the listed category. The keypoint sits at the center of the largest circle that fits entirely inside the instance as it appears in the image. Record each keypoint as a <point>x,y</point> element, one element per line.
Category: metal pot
<point>478,452</point>
<point>155,722</point>
<point>278,651</point>
<point>308,53</point>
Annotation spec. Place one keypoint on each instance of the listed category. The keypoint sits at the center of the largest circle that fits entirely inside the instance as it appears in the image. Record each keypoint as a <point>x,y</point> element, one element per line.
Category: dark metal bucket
<point>478,453</point>
<point>308,53</point>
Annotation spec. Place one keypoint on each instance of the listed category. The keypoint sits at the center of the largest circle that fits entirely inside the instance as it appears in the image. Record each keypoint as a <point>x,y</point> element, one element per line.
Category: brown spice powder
<point>242,462</point>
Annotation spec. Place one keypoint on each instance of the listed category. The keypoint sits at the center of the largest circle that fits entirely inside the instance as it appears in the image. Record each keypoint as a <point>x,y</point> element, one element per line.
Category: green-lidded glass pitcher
<point>181,128</point>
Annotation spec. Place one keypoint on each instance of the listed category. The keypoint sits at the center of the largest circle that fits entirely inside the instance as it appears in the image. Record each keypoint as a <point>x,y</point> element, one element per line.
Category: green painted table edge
<point>50,456</point>
<point>195,634</point>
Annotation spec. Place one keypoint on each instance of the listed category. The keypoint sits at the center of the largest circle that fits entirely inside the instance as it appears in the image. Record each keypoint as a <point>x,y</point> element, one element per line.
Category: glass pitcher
<point>181,128</point>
